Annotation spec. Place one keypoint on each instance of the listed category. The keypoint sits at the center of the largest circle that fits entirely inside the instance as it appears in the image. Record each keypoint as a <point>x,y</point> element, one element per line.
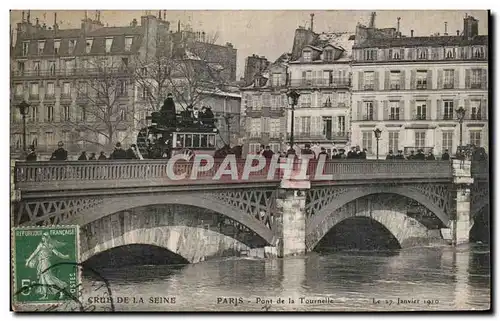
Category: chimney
<point>37,22</point>
<point>411,33</point>
<point>23,16</point>
<point>458,32</point>
<point>98,15</point>
<point>203,36</point>
<point>445,28</point>
<point>471,26</point>
<point>397,30</point>
<point>179,26</point>
<point>86,16</point>
<point>312,21</point>
<point>165,15</point>
<point>55,21</point>
<point>28,16</point>
<point>372,20</point>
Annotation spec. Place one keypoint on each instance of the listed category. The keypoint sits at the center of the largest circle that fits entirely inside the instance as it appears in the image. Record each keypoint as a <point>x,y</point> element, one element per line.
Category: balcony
<point>70,72</point>
<point>34,97</point>
<point>321,82</point>
<point>369,87</point>
<point>422,85</point>
<point>395,87</point>
<point>476,86</point>
<point>393,117</point>
<point>419,117</point>
<point>50,96</point>
<point>366,117</point>
<point>320,136</point>
<point>476,116</point>
<point>448,116</point>
<point>448,86</point>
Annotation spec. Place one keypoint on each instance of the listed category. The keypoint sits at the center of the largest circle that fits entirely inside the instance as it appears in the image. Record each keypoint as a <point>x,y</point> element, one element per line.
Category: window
<point>327,127</point>
<point>33,138</point>
<point>256,102</point>
<point>328,99</point>
<point>421,79</point>
<point>128,43</point>
<point>395,79</point>
<point>122,89</point>
<point>448,109</point>
<point>475,79</point>
<point>478,52</point>
<point>83,113</point>
<point>36,67</point>
<point>394,110</point>
<point>82,89</point>
<point>449,78</point>
<point>26,46</point>
<point>34,113</point>
<point>341,125</point>
<point>255,127</point>
<point>275,102</point>
<point>305,125</point>
<point>369,80</point>
<point>447,143</point>
<point>307,77</point>
<point>475,137</point>
<point>125,63</point>
<point>109,43</point>
<point>421,110</point>
<point>41,47</point>
<point>50,89</point>
<point>71,46</point>
<point>328,55</point>
<point>419,139</point>
<point>20,67</point>
<point>450,53</point>
<point>422,53</point>
<point>475,108</point>
<point>57,45</point>
<point>367,141</point>
<point>123,113</point>
<point>393,141</point>
<point>305,100</point>
<point>396,54</point>
<point>50,139</point>
<point>66,89</point>
<point>342,97</point>
<point>253,148</point>
<point>266,100</point>
<point>19,90</point>
<point>275,147</point>
<point>144,92</point>
<point>369,54</point>
<point>17,140</point>
<point>52,68</point>
<point>307,55</point>
<point>66,113</point>
<point>34,90</point>
<point>49,114</point>
<point>276,80</point>
<point>274,128</point>
<point>368,110</point>
<point>88,45</point>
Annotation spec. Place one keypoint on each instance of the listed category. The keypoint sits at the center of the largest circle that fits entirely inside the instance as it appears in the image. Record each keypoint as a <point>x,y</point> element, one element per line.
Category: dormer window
<point>478,52</point>
<point>41,47</point>
<point>422,53</point>
<point>109,43</point>
<point>307,55</point>
<point>26,46</point>
<point>370,54</point>
<point>450,53</point>
<point>128,43</point>
<point>396,54</point>
<point>88,45</point>
<point>57,45</point>
<point>328,55</point>
<point>71,46</point>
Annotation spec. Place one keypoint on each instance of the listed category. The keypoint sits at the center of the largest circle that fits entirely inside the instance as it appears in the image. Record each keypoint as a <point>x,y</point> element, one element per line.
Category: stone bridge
<point>136,202</point>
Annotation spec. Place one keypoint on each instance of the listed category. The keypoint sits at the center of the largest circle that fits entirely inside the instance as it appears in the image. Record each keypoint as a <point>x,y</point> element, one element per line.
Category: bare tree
<point>103,101</point>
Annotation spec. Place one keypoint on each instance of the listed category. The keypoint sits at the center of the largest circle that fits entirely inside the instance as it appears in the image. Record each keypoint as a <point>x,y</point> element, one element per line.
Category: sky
<point>270,33</point>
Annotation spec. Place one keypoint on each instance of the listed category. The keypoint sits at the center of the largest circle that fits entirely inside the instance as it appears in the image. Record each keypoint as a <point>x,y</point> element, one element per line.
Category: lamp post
<point>377,133</point>
<point>227,118</point>
<point>23,109</point>
<point>461,116</point>
<point>293,98</point>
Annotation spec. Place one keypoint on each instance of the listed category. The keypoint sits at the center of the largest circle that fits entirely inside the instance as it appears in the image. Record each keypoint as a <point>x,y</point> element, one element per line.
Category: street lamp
<point>293,98</point>
<point>461,116</point>
<point>23,109</point>
<point>227,118</point>
<point>377,133</point>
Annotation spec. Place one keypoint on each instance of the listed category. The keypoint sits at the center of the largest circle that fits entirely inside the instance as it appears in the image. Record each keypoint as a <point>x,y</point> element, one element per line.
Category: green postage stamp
<point>45,264</point>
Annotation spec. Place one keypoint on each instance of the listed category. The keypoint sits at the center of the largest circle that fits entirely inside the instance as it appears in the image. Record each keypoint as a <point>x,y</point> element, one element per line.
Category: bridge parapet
<point>52,175</point>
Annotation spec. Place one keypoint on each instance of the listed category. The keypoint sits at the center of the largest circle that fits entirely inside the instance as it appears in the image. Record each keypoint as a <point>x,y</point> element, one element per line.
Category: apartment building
<point>321,75</point>
<point>263,108</point>
<point>410,87</point>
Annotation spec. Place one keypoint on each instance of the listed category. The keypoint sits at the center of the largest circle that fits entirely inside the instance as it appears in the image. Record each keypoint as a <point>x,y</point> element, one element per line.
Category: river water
<point>414,279</point>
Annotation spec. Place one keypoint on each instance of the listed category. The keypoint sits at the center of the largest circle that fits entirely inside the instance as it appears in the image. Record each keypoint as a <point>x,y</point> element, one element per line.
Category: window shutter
<point>375,110</point>
<point>314,125</point>
<point>386,110</point>
<point>484,109</point>
<point>484,79</point>
<point>375,81</point>
<point>296,126</point>
<point>456,106</point>
<point>440,79</point>
<point>390,54</point>
<point>467,78</point>
<point>375,54</point>
<point>402,76</point>
<point>439,109</point>
<point>413,110</point>
<point>386,80</point>
<point>429,79</point>
<point>359,116</point>
<point>413,79</point>
<point>411,54</point>
<point>457,79</point>
<point>429,109</point>
<point>402,110</point>
<point>319,125</point>
<point>360,80</point>
<point>467,107</point>
<point>402,53</point>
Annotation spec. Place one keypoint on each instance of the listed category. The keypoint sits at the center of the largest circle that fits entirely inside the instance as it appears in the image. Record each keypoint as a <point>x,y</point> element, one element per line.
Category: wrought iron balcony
<point>321,82</point>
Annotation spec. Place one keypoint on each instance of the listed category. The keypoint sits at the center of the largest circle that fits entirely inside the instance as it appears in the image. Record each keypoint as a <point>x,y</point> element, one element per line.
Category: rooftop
<point>429,41</point>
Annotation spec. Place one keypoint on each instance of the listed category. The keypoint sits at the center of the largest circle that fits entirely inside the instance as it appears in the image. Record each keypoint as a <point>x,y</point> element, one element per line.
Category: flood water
<point>442,278</point>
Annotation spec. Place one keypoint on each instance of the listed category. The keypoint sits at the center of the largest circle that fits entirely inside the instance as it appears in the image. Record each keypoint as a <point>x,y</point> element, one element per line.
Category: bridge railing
<point>129,173</point>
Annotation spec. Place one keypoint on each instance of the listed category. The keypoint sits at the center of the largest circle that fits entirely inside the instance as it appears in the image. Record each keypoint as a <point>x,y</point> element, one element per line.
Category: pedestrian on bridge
<point>430,156</point>
<point>83,156</point>
<point>31,157</point>
<point>92,156</point>
<point>118,153</point>
<point>60,154</point>
<point>131,152</point>
<point>399,155</point>
<point>102,156</point>
<point>446,155</point>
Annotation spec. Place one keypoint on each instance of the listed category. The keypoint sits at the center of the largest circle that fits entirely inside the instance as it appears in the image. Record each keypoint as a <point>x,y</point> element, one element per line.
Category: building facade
<point>321,75</point>
<point>411,87</point>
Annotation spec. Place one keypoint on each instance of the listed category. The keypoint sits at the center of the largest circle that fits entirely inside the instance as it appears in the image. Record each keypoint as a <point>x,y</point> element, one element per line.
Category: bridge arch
<point>126,202</point>
<point>403,227</point>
